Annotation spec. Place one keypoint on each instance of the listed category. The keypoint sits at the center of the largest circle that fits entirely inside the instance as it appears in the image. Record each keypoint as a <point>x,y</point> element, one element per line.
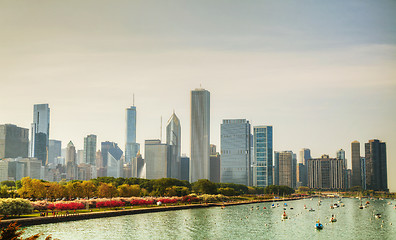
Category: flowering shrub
<point>15,206</point>
<point>111,203</point>
<point>167,200</point>
<point>66,206</point>
<point>141,202</point>
<point>40,205</point>
<point>189,199</point>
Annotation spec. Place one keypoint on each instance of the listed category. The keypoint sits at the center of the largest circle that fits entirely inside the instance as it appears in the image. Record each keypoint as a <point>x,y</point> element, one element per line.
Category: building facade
<point>235,152</point>
<point>326,173</point>
<point>90,149</point>
<point>356,171</point>
<point>54,150</point>
<point>285,159</point>
<point>200,135</point>
<point>173,140</point>
<point>185,168</point>
<point>39,139</point>
<point>71,162</point>
<point>156,154</point>
<point>376,166</point>
<point>263,156</point>
<point>14,141</point>
<point>131,147</point>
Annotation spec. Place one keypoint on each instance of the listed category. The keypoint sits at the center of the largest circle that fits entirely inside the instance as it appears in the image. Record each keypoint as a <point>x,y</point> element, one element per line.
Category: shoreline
<point>25,222</point>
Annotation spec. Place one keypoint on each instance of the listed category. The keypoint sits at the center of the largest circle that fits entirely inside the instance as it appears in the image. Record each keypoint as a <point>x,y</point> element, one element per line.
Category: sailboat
<point>284,215</point>
<point>333,218</point>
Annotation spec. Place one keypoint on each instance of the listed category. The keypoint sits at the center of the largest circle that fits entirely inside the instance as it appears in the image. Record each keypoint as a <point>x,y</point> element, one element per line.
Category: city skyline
<point>328,78</point>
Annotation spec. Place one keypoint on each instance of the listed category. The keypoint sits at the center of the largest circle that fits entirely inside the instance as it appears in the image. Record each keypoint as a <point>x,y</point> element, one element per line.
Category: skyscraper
<point>356,171</point>
<point>200,135</point>
<point>185,168</point>
<point>376,166</point>
<point>305,155</point>
<point>263,152</point>
<point>71,166</point>
<point>173,140</point>
<point>131,147</point>
<point>326,173</point>
<point>285,168</point>
<point>14,141</point>
<point>114,161</point>
<point>235,152</point>
<point>156,159</point>
<point>214,159</point>
<point>39,140</point>
<point>54,150</point>
<point>341,155</point>
<point>90,149</point>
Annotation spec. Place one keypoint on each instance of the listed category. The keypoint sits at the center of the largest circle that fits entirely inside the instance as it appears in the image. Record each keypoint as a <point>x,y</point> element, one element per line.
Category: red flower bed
<point>167,200</point>
<point>141,202</point>
<point>66,206</point>
<point>111,203</point>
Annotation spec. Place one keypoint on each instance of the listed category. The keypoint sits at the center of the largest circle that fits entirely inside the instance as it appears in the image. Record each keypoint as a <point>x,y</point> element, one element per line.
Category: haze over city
<point>321,73</point>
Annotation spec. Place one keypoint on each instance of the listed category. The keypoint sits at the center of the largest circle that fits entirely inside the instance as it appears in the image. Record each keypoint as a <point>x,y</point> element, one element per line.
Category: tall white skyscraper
<point>235,152</point>
<point>263,155</point>
<point>39,139</point>
<point>173,140</point>
<point>200,135</point>
<point>131,147</point>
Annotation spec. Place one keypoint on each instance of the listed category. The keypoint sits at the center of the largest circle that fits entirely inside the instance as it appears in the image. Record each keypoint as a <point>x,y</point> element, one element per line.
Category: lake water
<point>239,222</point>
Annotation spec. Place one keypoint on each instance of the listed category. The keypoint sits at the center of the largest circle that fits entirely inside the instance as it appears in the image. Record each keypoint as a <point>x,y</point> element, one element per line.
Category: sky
<point>322,73</point>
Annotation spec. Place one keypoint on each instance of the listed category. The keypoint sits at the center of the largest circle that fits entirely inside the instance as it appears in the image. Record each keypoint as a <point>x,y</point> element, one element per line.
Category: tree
<point>4,191</point>
<point>204,186</point>
<point>126,190</point>
<point>13,231</point>
<point>176,191</point>
<point>88,189</point>
<point>227,191</point>
<point>26,190</point>
<point>8,183</point>
<point>15,206</point>
<point>107,190</point>
<point>303,189</point>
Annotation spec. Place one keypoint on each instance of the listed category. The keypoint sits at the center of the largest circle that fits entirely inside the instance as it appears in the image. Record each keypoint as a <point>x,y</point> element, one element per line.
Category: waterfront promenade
<point>24,222</point>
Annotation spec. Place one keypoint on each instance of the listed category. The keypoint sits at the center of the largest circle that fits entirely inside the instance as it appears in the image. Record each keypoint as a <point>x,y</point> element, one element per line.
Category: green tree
<point>227,191</point>
<point>126,190</point>
<point>15,206</point>
<point>204,186</point>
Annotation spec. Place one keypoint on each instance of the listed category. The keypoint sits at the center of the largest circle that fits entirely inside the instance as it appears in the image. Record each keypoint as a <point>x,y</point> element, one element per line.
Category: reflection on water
<point>239,222</point>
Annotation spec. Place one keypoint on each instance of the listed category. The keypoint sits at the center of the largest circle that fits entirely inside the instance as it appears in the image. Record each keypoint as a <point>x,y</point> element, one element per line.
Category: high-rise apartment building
<point>341,155</point>
<point>326,173</point>
<point>263,152</point>
<point>39,140</point>
<point>54,150</point>
<point>235,152</point>
<point>131,147</point>
<point>376,166</point>
<point>285,159</point>
<point>115,162</point>
<point>173,140</point>
<point>156,154</point>
<point>356,171</point>
<point>90,149</point>
<point>200,135</point>
<point>14,141</point>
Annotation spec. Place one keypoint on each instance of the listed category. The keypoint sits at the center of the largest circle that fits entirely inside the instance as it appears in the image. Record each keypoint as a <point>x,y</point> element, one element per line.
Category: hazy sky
<point>323,73</point>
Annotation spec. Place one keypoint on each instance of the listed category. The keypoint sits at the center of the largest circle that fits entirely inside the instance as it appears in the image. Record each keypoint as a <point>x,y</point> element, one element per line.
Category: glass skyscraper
<point>263,152</point>
<point>39,140</point>
<point>131,147</point>
<point>200,135</point>
<point>235,152</point>
<point>90,149</point>
<point>173,140</point>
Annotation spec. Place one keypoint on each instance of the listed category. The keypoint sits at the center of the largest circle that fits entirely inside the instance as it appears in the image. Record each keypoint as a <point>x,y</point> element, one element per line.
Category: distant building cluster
<point>246,155</point>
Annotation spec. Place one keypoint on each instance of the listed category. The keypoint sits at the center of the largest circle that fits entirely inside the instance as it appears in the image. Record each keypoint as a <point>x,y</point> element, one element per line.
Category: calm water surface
<point>239,222</point>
